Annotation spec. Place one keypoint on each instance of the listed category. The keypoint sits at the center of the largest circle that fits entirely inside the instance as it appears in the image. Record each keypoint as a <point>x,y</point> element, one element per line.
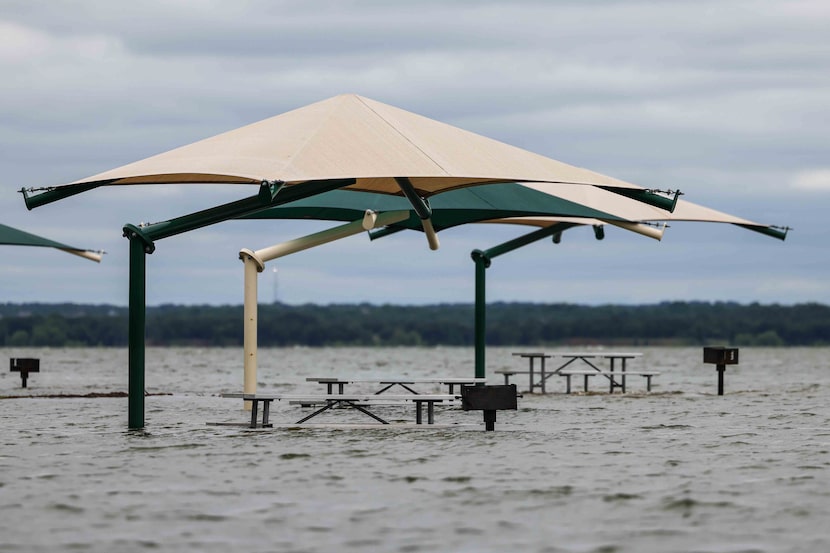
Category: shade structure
<point>346,141</point>
<point>10,236</point>
<point>349,137</point>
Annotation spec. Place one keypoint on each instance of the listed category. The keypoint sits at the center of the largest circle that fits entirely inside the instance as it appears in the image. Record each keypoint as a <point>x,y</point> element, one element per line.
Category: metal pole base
<point>489,420</point>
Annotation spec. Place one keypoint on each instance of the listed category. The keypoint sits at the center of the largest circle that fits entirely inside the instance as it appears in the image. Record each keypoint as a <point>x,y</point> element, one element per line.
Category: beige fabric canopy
<point>627,209</point>
<point>350,136</point>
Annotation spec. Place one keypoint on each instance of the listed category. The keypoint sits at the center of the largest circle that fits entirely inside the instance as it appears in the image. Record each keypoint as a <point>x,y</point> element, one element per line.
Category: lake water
<point>677,469</point>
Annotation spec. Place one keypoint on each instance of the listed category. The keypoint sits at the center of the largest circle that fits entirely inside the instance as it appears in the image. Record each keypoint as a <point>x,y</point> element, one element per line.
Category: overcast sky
<point>729,101</point>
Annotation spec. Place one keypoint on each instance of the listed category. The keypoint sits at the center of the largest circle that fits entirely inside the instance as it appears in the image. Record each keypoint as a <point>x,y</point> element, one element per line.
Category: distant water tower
<point>276,297</point>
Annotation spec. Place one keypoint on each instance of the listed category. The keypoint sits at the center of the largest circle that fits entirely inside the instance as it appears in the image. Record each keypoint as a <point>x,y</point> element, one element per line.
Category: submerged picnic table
<point>360,402</point>
<point>531,357</point>
<point>590,358</point>
<point>387,383</point>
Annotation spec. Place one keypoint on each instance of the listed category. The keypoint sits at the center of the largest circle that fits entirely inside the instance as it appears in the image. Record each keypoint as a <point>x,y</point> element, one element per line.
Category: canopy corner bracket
<point>245,254</point>
<point>48,195</point>
<point>773,231</point>
<point>661,199</point>
<point>135,233</point>
<point>479,256</point>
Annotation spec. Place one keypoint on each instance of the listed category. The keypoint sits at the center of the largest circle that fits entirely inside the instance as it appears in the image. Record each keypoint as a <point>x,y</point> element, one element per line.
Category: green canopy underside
<point>449,209</point>
<point>13,237</point>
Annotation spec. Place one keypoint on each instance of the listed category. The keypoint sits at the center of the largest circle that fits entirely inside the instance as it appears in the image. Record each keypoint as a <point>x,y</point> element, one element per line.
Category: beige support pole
<point>432,236</point>
<point>255,263</point>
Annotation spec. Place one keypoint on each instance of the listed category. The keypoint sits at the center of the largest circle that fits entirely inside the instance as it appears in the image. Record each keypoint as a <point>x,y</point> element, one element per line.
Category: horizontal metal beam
<point>270,194</point>
<point>526,239</point>
<point>185,223</point>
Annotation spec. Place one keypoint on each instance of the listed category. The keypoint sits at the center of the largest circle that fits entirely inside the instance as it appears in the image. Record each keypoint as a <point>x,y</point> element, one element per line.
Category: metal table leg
<point>254,408</point>
<point>530,374</point>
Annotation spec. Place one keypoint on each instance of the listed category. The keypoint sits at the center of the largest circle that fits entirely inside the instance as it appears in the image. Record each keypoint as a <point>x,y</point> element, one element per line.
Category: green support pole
<point>482,262</point>
<point>139,248</point>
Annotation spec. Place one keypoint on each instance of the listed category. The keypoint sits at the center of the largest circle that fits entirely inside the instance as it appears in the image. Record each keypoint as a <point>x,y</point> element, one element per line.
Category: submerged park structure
<point>347,142</point>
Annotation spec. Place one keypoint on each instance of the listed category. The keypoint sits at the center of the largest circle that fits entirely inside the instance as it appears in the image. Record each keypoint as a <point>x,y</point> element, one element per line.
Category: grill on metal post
<point>720,356</point>
<point>489,399</point>
<point>24,366</point>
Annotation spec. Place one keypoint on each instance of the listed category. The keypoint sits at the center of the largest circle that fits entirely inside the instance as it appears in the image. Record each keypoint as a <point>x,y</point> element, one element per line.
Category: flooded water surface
<point>676,469</point>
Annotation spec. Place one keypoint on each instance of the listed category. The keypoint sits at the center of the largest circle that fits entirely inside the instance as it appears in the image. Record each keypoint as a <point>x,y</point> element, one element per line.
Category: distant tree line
<point>668,323</point>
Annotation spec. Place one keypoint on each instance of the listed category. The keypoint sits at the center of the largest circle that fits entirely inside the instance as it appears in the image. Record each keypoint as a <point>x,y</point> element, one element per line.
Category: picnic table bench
<point>387,383</point>
<point>617,379</point>
<point>360,402</point>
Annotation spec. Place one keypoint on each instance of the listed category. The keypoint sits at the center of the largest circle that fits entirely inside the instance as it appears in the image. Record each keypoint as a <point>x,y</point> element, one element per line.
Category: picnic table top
<point>342,397</point>
<point>588,372</point>
<point>605,354</point>
<point>394,380</point>
<point>583,354</point>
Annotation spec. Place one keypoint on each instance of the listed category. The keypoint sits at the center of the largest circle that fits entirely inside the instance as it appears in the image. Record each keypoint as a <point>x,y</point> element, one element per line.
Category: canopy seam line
<point>382,118</point>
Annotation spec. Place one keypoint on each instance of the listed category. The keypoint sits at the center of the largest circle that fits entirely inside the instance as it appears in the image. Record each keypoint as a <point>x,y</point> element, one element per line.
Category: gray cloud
<point>726,100</point>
